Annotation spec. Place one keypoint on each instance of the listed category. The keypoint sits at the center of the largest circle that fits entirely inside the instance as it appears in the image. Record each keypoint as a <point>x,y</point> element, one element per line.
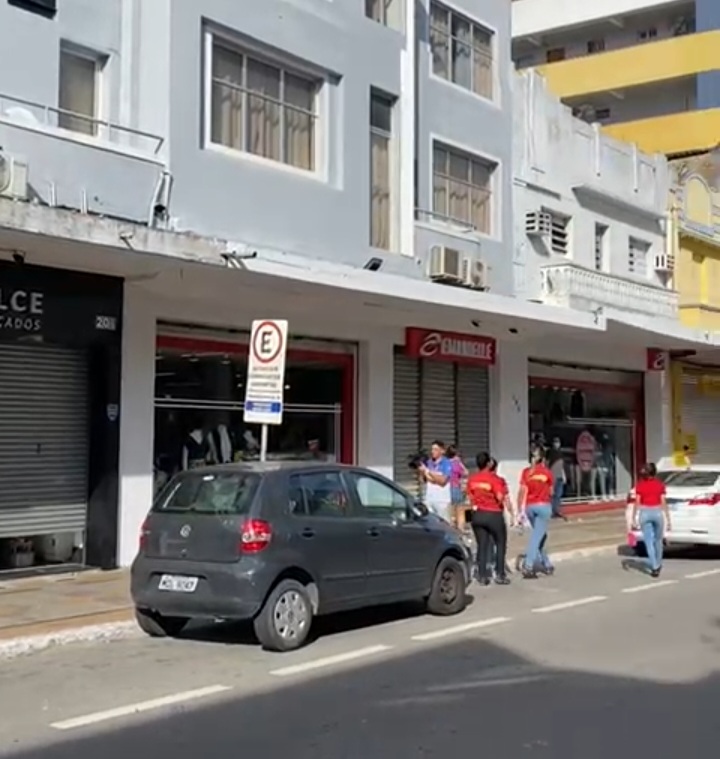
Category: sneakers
<point>655,573</point>
<point>502,580</point>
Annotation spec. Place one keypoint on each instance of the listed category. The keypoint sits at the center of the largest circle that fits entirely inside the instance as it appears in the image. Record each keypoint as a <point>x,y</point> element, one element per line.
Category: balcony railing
<point>574,286</point>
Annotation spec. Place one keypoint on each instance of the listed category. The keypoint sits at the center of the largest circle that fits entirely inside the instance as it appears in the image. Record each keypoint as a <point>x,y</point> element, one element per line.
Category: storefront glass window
<point>199,411</point>
<point>589,435</point>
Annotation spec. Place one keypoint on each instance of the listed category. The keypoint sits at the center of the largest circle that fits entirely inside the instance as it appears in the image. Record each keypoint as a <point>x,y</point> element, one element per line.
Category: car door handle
<point>373,532</point>
<point>308,533</point>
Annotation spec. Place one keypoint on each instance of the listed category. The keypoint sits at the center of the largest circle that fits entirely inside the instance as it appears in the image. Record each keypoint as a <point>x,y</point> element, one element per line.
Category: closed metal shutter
<point>437,413</point>
<point>43,440</point>
<point>473,412</point>
<point>701,415</point>
<point>406,418</point>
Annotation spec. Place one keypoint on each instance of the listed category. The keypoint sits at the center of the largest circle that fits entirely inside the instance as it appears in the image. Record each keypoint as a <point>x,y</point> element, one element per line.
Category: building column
<point>136,419</point>
<point>375,404</point>
<point>509,411</point>
<point>658,415</point>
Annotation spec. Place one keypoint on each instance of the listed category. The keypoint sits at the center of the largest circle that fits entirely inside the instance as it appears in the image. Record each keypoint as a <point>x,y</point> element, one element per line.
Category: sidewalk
<point>59,604</point>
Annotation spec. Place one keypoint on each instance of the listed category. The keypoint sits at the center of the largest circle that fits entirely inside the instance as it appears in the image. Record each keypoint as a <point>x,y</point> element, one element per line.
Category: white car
<point>693,497</point>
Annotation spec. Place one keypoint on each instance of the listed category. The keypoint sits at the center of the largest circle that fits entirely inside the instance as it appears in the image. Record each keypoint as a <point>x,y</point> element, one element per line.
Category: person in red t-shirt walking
<point>651,507</point>
<point>535,500</point>
<point>486,493</point>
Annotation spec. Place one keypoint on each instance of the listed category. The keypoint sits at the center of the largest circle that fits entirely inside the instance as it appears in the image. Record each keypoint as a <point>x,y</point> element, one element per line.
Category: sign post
<point>264,388</point>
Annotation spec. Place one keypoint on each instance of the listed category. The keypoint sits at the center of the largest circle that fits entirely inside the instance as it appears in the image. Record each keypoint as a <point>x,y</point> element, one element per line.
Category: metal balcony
<point>574,286</point>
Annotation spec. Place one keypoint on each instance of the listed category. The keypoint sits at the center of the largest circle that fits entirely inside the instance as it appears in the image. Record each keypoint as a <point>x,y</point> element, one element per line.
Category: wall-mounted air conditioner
<point>474,274</point>
<point>538,224</point>
<point>13,176</point>
<point>664,262</point>
<point>446,264</point>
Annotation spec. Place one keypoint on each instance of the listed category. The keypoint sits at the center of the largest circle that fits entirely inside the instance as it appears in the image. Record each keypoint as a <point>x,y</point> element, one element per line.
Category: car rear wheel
<point>447,596</point>
<point>157,626</point>
<point>284,621</point>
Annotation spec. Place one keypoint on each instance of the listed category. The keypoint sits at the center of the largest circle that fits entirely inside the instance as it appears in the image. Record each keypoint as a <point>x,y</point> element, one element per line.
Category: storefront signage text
<point>656,360</point>
<point>449,346</point>
<point>21,310</point>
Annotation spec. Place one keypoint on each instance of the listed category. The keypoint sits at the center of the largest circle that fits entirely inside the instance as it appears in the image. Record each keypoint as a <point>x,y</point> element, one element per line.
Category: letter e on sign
<point>656,360</point>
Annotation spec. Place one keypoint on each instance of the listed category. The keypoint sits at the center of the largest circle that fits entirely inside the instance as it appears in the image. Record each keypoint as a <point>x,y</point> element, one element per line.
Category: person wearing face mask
<point>557,467</point>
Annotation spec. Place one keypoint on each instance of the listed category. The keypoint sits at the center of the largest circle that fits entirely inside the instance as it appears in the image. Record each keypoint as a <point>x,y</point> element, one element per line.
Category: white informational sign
<point>266,372</point>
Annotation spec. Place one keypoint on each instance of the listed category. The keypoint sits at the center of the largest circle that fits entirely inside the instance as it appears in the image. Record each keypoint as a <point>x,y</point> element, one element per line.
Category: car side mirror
<point>417,510</point>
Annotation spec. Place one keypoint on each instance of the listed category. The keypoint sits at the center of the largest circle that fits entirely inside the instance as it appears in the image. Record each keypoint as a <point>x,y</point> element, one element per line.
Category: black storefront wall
<point>78,310</point>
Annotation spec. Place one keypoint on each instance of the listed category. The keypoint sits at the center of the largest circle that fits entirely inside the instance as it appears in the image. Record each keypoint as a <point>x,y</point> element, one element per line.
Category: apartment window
<point>381,112</point>
<point>261,108</point>
<point>385,12</point>
<point>559,233</point>
<point>647,34</point>
<point>596,46</point>
<point>462,188</point>
<point>462,51</point>
<point>555,54</point>
<point>600,247</point>
<point>78,91</point>
<point>602,114</point>
<point>638,251</point>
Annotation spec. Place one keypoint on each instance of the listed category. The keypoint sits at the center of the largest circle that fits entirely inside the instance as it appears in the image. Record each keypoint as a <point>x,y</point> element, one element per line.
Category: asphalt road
<point>598,661</point>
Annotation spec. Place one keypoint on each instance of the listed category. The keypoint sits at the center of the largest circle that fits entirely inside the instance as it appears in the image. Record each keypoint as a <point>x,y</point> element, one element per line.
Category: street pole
<point>263,442</point>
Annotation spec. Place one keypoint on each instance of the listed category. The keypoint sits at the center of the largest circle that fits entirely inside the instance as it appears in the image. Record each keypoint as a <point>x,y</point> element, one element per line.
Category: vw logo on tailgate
<point>185,531</point>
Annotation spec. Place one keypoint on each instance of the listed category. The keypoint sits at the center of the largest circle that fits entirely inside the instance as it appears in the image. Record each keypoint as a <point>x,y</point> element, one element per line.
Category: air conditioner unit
<point>664,262</point>
<point>474,274</point>
<point>538,224</point>
<point>446,264</point>
<point>13,176</point>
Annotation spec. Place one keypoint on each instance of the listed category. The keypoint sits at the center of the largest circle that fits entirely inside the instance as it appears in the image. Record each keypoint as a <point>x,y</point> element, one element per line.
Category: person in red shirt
<point>487,494</point>
<point>651,507</point>
<point>535,501</point>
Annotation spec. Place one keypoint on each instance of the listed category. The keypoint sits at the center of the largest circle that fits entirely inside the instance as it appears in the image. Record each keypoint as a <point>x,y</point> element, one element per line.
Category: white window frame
<point>320,134</point>
<point>496,99</point>
<point>496,211</point>
<point>393,167</point>
<point>638,268</point>
<point>100,62</point>
<point>398,24</point>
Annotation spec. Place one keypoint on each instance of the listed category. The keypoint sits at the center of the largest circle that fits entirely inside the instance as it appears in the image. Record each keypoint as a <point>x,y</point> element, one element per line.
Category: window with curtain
<point>381,110</point>
<point>462,50</point>
<point>77,94</point>
<point>261,108</point>
<point>462,188</point>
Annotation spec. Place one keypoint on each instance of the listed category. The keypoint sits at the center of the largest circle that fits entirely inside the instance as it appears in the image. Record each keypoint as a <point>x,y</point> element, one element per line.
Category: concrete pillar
<point>375,404</point>
<point>509,411</point>
<point>658,415</point>
<point>136,419</point>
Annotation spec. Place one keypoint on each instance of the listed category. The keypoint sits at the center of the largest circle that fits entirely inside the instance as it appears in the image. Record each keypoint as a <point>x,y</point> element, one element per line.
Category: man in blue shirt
<point>436,475</point>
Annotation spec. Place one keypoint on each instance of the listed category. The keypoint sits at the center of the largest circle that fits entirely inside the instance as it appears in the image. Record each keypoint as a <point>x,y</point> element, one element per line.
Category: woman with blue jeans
<point>535,498</point>
<point>652,514</point>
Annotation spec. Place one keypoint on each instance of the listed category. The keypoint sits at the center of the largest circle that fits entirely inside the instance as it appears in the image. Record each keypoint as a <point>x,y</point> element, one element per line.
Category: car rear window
<point>689,479</point>
<point>209,493</point>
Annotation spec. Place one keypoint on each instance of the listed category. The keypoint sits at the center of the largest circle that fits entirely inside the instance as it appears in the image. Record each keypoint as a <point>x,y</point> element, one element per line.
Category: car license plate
<point>178,583</point>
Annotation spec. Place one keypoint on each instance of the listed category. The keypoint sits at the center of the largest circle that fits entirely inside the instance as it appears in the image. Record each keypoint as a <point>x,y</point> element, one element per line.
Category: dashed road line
<point>139,707</point>
<point>699,575</point>
<point>569,604</point>
<point>459,629</point>
<point>649,586</point>
<point>328,661</point>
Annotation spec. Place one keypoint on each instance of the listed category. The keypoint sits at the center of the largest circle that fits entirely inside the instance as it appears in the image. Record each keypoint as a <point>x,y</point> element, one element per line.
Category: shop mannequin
<point>223,445</point>
<point>195,452</point>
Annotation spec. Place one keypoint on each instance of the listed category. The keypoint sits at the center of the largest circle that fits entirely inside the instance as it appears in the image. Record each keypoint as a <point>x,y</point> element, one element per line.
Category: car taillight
<point>144,535</point>
<point>255,536</point>
<point>708,499</point>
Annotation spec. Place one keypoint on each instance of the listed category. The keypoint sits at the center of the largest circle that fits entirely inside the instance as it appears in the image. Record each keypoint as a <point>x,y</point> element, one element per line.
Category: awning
<point>655,332</point>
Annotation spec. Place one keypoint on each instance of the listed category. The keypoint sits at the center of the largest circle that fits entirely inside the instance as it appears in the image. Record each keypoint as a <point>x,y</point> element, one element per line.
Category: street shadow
<point>242,633</point>
<point>635,565</point>
<point>471,697</point>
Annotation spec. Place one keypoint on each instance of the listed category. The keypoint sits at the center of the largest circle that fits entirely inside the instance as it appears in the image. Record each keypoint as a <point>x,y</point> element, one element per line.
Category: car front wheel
<point>447,596</point>
<point>157,626</point>
<point>284,621</point>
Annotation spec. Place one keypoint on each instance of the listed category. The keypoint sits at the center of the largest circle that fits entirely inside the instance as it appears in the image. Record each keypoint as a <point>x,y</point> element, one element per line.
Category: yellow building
<point>647,70</point>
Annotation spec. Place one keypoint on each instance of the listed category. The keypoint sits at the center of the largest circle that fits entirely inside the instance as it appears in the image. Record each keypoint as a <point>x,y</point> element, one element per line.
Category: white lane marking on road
<point>328,661</point>
<point>458,629</point>
<point>649,586</point>
<point>569,604</point>
<point>141,706</point>
<point>706,573</point>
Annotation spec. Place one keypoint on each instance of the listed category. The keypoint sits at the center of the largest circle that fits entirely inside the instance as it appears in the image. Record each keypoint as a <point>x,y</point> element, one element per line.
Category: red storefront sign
<point>449,346</point>
<point>656,360</point>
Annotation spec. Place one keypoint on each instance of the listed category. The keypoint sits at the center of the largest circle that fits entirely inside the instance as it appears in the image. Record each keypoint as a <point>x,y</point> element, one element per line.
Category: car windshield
<point>689,479</point>
<point>209,493</point>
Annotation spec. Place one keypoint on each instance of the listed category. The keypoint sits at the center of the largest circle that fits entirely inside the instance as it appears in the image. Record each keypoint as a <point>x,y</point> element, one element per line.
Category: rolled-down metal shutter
<point>437,412</point>
<point>406,418</point>
<point>473,412</point>
<point>43,440</point>
<point>701,415</point>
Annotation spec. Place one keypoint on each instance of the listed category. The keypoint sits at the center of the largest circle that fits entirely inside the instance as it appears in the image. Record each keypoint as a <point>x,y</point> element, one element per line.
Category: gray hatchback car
<point>280,543</point>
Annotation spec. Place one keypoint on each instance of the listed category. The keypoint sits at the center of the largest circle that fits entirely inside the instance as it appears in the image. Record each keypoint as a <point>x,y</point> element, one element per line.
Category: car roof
<point>267,467</point>
<point>693,468</point>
